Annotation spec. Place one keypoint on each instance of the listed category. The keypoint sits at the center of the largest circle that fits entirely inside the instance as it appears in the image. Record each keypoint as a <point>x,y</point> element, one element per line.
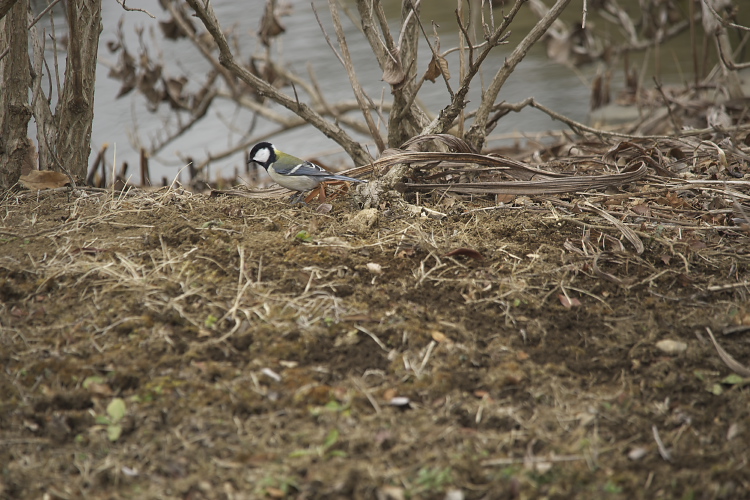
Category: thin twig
<point>205,13</point>
<point>660,445</point>
<point>133,9</point>
<point>346,61</point>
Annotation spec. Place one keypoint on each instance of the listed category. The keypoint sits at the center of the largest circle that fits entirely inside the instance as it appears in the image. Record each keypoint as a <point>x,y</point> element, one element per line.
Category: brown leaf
<point>270,26</point>
<point>275,492</point>
<point>673,200</point>
<point>732,363</point>
<point>389,394</point>
<point>172,29</point>
<point>466,252</point>
<point>568,302</point>
<point>393,73</point>
<point>559,49</point>
<point>437,66</point>
<point>324,208</point>
<point>696,245</point>
<point>684,280</point>
<point>438,336</point>
<point>100,389</point>
<point>44,179</point>
<point>677,153</point>
<point>641,209</point>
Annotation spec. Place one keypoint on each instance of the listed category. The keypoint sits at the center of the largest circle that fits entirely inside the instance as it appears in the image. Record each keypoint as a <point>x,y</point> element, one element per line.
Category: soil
<point>176,345</point>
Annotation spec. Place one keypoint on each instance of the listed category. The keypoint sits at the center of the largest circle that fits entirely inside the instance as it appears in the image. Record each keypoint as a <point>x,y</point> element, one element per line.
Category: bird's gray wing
<point>312,170</point>
<point>305,168</point>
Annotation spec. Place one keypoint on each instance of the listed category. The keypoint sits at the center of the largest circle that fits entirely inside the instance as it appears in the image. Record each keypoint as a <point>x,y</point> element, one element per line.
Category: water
<point>126,123</point>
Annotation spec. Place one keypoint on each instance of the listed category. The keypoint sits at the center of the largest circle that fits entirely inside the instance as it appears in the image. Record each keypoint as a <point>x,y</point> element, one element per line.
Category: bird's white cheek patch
<point>262,155</point>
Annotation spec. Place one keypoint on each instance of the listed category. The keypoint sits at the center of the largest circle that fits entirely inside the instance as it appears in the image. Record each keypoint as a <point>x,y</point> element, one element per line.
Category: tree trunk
<point>75,109</point>
<point>402,124</point>
<point>14,97</point>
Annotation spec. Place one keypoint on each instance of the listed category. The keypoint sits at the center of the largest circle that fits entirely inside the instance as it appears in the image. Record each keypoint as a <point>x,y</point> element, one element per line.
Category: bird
<point>291,172</point>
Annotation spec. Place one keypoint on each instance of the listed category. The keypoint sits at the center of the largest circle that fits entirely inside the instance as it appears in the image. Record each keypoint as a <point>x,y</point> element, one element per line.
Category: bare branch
<point>580,128</point>
<point>726,60</point>
<point>444,120</point>
<point>723,21</point>
<point>377,44</point>
<point>206,14</point>
<point>436,56</point>
<point>43,13</point>
<point>346,60</point>
<point>179,16</point>
<point>133,9</point>
<point>478,130</point>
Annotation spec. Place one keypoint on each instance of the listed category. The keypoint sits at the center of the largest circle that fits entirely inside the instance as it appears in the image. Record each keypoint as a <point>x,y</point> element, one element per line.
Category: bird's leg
<point>297,199</point>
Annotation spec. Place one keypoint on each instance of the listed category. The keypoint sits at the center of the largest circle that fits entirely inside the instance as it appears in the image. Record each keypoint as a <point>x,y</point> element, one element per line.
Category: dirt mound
<point>173,345</point>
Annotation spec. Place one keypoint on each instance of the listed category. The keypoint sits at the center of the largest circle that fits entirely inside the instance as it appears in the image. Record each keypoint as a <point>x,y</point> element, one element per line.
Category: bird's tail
<point>344,178</point>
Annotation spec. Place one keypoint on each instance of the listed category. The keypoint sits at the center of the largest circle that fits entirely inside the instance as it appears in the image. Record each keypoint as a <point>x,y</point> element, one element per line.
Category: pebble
<point>671,346</point>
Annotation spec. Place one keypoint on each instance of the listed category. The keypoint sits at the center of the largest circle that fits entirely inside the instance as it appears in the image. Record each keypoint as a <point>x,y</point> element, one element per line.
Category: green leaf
<point>611,487</point>
<point>303,236</point>
<point>732,379</point>
<point>299,453</point>
<point>116,410</point>
<point>102,420</point>
<point>716,390</point>
<point>331,439</point>
<point>114,432</point>
<point>211,321</point>
<point>94,379</point>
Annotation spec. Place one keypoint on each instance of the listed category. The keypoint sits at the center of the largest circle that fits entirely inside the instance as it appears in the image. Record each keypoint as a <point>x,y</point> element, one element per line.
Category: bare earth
<point>175,345</point>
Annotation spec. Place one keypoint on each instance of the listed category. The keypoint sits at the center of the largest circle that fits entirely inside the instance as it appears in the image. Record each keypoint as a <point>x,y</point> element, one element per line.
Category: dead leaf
<point>466,252</point>
<point>324,208</point>
<point>437,66</point>
<point>100,389</point>
<point>172,30</point>
<point>673,200</point>
<point>438,336</point>
<point>568,302</point>
<point>391,493</point>
<point>641,209</point>
<point>270,26</point>
<point>275,492</point>
<point>732,363</point>
<point>684,280</point>
<point>44,179</point>
<point>389,394</point>
<point>677,153</point>
<point>696,245</point>
<point>393,73</point>
<point>504,198</point>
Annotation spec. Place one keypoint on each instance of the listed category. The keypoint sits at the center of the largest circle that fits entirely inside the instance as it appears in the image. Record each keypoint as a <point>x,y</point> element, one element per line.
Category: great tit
<point>291,172</point>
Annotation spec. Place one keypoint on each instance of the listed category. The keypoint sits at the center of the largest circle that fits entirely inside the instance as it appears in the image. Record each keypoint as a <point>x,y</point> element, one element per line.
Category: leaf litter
<point>240,345</point>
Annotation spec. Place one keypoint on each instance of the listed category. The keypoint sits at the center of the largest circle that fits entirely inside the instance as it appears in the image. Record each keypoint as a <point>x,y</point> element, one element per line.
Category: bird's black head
<point>263,154</point>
